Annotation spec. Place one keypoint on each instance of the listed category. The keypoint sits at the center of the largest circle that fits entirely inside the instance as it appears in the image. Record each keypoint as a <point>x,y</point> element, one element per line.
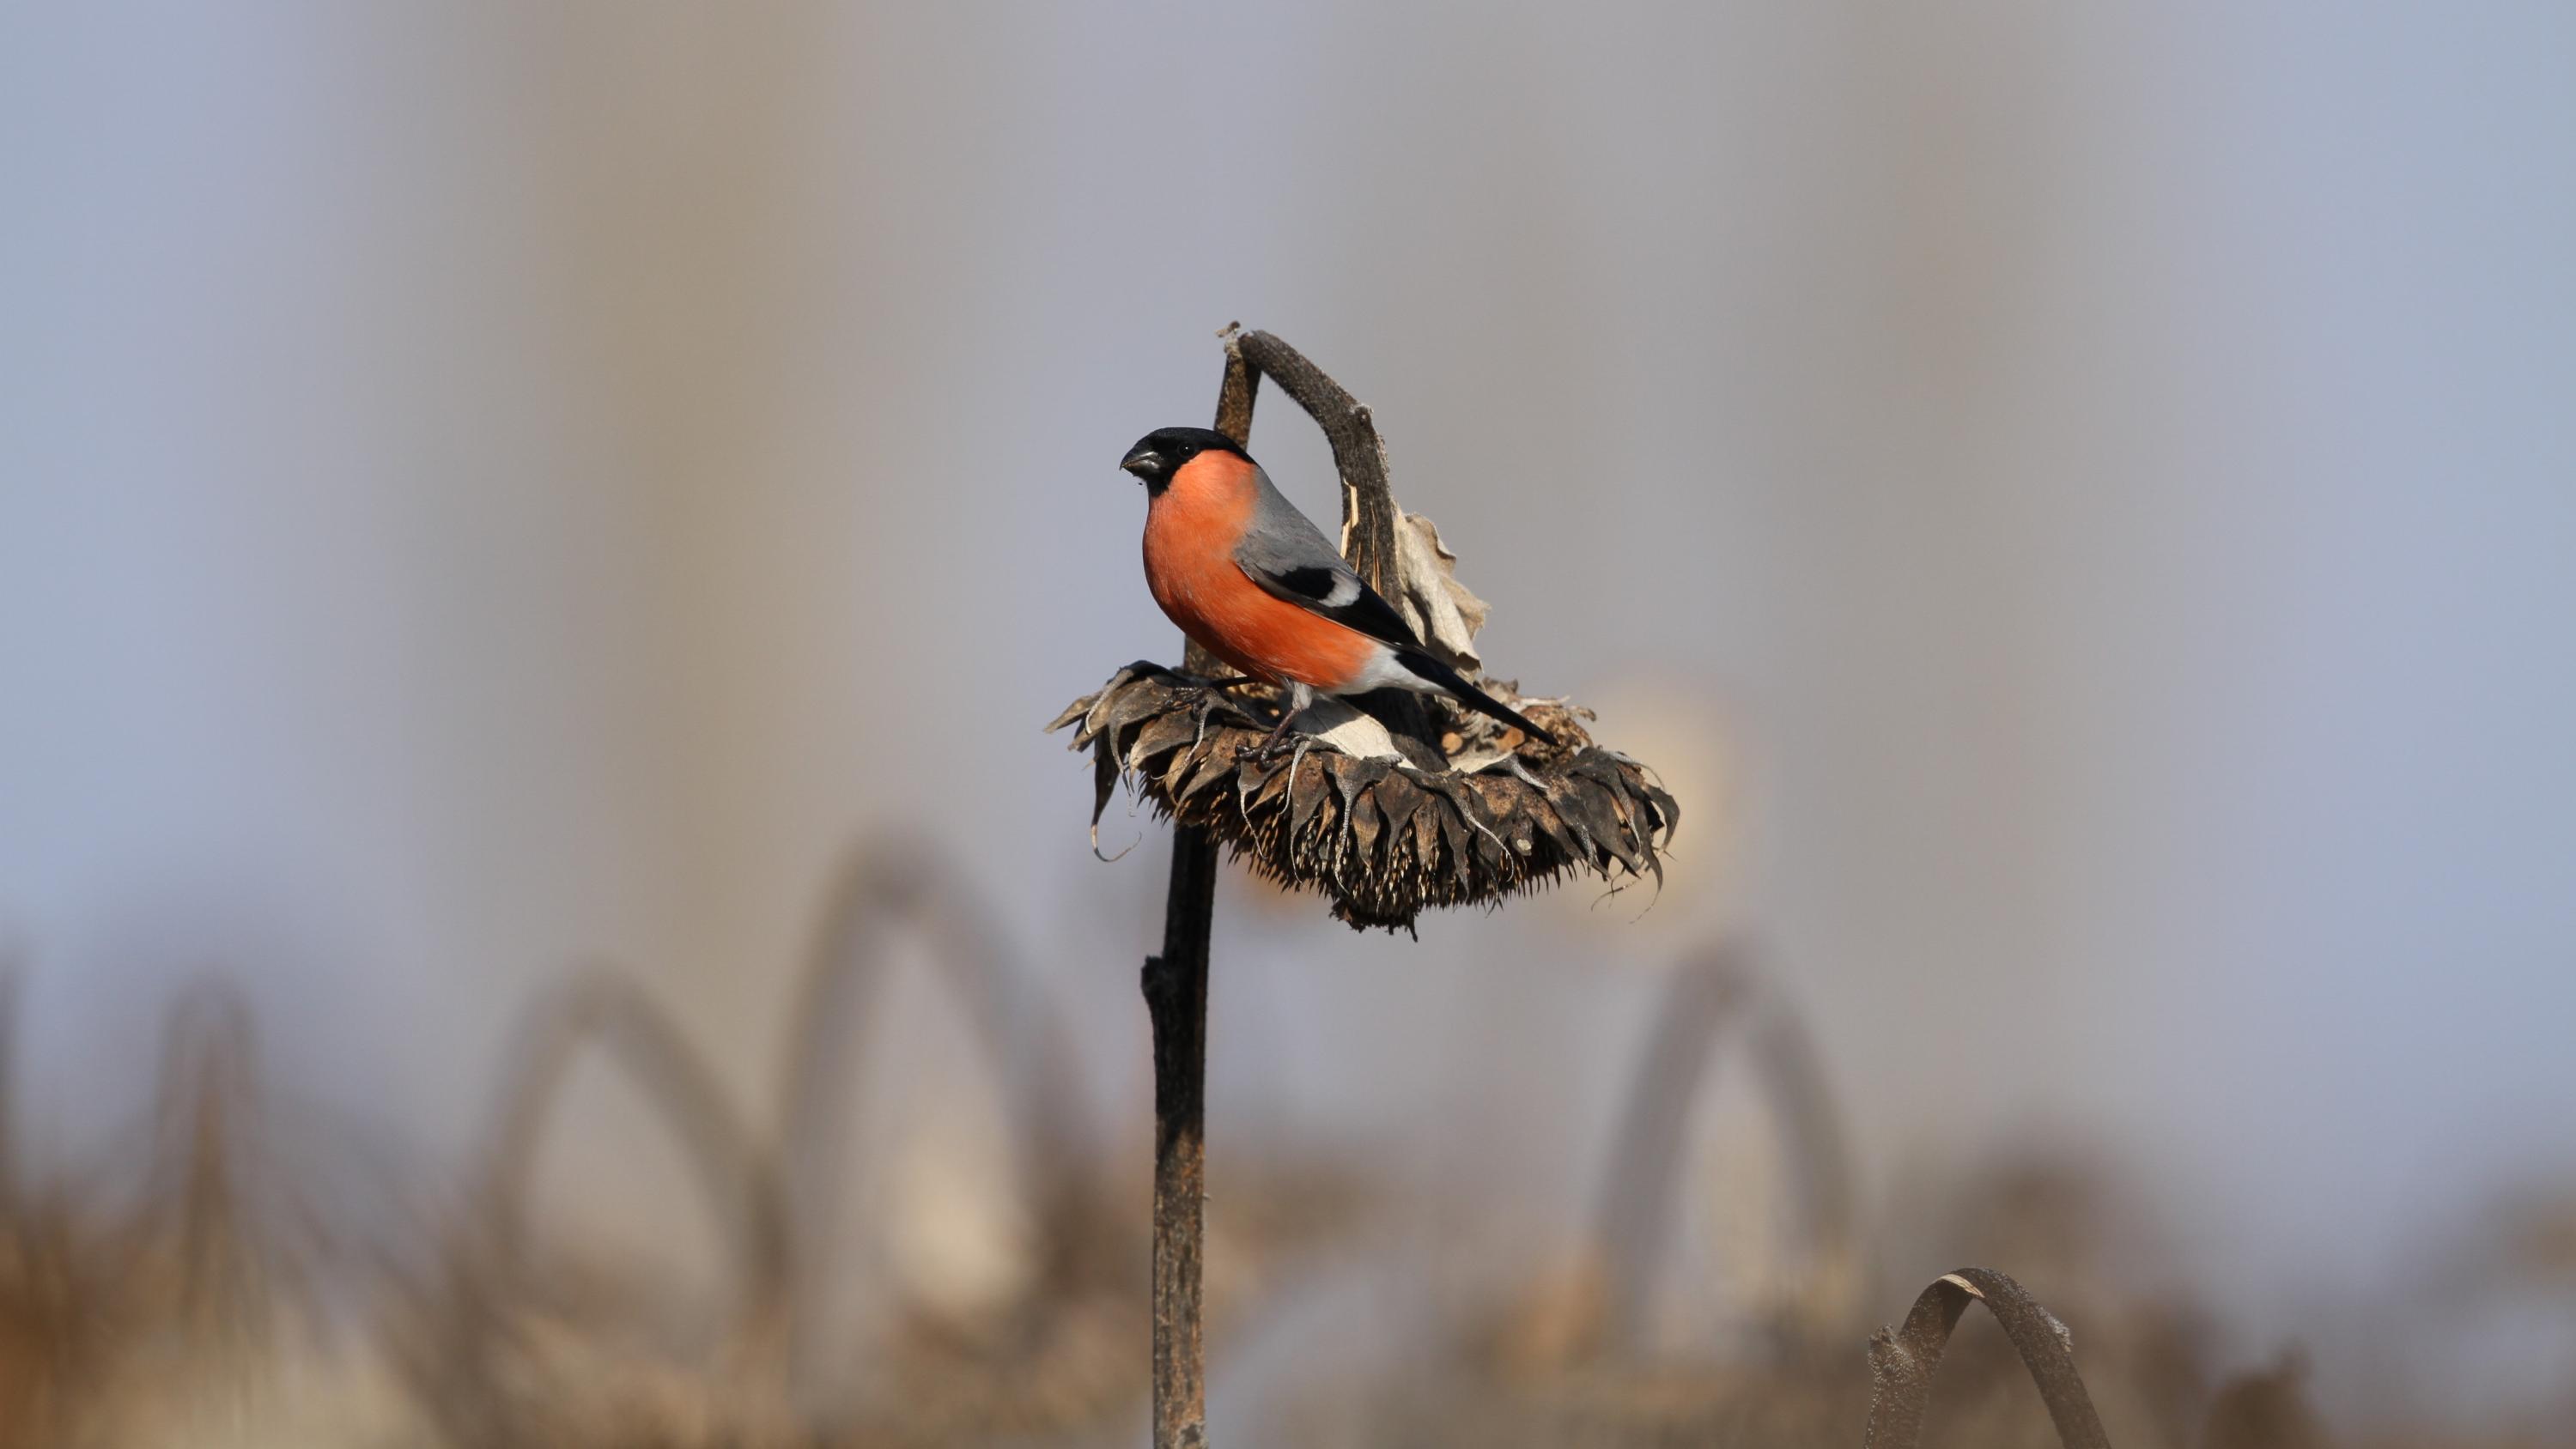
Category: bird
<point>1258,586</point>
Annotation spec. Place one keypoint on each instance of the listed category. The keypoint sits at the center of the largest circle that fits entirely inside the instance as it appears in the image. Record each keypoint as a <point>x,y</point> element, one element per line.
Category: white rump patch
<point>1382,672</point>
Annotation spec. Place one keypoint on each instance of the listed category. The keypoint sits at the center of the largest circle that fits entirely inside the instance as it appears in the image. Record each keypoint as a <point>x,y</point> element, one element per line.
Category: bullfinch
<point>1243,573</point>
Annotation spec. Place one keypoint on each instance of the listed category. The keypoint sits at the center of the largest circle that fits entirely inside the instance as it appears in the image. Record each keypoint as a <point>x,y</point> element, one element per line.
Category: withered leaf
<point>1499,794</point>
<point>1161,734</point>
<point>1668,811</point>
<point>1104,783</point>
<point>1364,822</point>
<point>1623,807</point>
<point>1328,818</point>
<point>1426,830</point>
<point>1097,717</point>
<point>1568,803</point>
<point>1127,714</point>
<point>1590,814</point>
<point>1072,712</point>
<point>1306,795</point>
<point>1397,796</point>
<point>1248,780</point>
<point>1453,831</point>
<point>1215,763</point>
<point>1351,776</point>
<point>1182,763</point>
<point>1272,789</point>
<point>1477,840</point>
<point>1440,608</point>
<point>1551,824</point>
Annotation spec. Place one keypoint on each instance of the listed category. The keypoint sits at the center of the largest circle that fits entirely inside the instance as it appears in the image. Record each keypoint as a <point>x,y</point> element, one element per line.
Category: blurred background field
<point>535,544</point>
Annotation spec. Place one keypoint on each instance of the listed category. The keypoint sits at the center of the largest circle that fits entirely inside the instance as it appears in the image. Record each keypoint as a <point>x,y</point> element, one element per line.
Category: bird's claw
<point>1270,752</point>
<point>1205,696</point>
<point>1202,694</point>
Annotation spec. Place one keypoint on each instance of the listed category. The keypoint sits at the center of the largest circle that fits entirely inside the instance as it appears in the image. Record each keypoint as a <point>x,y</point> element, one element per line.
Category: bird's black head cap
<point>1159,454</point>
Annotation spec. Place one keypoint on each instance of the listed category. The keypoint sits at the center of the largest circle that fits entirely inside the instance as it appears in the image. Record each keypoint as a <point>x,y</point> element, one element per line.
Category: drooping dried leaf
<point>1443,613</point>
<point>1305,798</point>
<point>1161,734</point>
<point>1212,767</point>
<point>1365,824</point>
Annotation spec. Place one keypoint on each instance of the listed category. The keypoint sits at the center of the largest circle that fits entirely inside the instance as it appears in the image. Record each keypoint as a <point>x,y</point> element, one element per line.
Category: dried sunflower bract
<point>1382,836</point>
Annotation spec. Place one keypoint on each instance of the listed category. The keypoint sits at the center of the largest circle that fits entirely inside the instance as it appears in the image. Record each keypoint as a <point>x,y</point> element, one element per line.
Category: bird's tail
<point>1467,694</point>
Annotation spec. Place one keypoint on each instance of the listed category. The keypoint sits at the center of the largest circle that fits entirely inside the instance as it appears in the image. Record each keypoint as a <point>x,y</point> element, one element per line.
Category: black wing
<point>1337,594</point>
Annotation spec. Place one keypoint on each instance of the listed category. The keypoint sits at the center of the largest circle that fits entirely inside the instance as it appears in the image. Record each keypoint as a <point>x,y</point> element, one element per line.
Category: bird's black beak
<point>1144,462</point>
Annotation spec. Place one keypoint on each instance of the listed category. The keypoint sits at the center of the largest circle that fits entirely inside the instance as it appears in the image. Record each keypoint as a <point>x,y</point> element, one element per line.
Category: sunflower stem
<point>1176,985</point>
<point>1176,988</point>
<point>1176,982</point>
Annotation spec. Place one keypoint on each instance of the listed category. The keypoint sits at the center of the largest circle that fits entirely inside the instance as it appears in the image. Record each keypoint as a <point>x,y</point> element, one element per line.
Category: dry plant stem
<point>741,1182</point>
<point>1368,500</point>
<point>1175,982</point>
<point>1176,987</point>
<point>9,977</point>
<point>1901,1360</point>
<point>1712,993</point>
<point>891,888</point>
<point>207,1094</point>
<point>1637,1200</point>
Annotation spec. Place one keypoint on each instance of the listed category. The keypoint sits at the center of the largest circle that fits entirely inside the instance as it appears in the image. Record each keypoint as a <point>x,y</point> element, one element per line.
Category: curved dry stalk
<point>486,1369</point>
<point>1369,513</point>
<point>97,1297</point>
<point>904,885</point>
<point>890,887</point>
<point>739,1179</point>
<point>1901,1360</point>
<point>11,977</point>
<point>1368,498</point>
<point>1713,994</point>
<point>206,1096</point>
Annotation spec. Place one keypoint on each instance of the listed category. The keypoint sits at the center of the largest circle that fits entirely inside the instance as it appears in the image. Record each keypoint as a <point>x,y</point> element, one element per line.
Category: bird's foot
<point>1204,699</point>
<point>1279,742</point>
<point>1274,749</point>
<point>1205,696</point>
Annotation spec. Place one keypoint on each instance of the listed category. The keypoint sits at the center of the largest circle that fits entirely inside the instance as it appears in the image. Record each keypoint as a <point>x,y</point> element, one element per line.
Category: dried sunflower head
<point>1384,826</point>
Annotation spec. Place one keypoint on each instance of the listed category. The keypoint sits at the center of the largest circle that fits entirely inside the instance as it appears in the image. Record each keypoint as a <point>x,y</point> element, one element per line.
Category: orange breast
<point>1190,534</point>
